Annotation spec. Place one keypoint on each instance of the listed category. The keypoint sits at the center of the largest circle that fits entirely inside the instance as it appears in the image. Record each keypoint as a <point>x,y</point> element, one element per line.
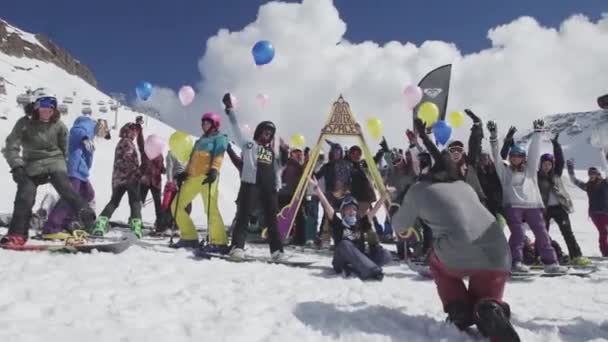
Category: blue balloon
<point>263,52</point>
<point>143,90</point>
<point>442,131</point>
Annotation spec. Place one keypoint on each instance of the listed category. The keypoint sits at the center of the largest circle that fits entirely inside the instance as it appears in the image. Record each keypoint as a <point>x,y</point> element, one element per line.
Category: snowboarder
<point>361,187</point>
<point>557,201</point>
<point>597,192</point>
<point>350,230</point>
<point>126,177</point>
<point>522,199</point>
<point>61,220</point>
<point>202,178</point>
<point>468,242</point>
<point>36,151</point>
<point>258,167</point>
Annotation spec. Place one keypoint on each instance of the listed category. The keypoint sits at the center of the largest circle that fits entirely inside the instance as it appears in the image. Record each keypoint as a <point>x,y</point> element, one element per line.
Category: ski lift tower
<point>120,99</point>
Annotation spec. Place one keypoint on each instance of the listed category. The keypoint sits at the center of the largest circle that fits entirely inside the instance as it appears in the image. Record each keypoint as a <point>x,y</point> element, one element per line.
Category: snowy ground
<point>144,295</point>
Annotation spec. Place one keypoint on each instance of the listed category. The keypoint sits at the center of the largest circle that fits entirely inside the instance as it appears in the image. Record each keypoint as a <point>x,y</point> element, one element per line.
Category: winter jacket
<point>174,167</point>
<point>126,160</point>
<point>250,152</point>
<point>341,231</point>
<point>80,159</point>
<point>337,175</point>
<point>596,192</point>
<point>520,188</point>
<point>551,186</point>
<point>290,177</point>
<point>472,161</point>
<point>39,147</point>
<point>490,183</point>
<point>465,234</point>
<point>207,153</point>
<point>152,171</point>
<point>361,187</point>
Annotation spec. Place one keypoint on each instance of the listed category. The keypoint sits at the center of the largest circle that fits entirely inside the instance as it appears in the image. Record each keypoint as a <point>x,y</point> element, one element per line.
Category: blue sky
<point>124,42</point>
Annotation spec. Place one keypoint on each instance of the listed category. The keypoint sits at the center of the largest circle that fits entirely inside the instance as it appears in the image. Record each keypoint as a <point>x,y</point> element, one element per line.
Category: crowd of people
<point>448,207</point>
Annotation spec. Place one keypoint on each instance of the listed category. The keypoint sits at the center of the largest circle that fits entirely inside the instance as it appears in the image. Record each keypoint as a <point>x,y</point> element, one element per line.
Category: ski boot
<point>214,249</point>
<point>494,321</point>
<point>237,253</point>
<point>555,268</point>
<point>460,314</point>
<point>136,227</point>
<point>101,226</point>
<point>185,244</point>
<point>580,261</point>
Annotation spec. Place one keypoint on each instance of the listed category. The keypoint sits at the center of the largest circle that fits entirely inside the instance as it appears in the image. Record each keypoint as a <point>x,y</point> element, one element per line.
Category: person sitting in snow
<point>81,148</point>
<point>36,151</point>
<point>126,177</point>
<point>349,232</point>
<point>258,167</point>
<point>202,178</point>
<point>467,242</point>
<point>597,192</point>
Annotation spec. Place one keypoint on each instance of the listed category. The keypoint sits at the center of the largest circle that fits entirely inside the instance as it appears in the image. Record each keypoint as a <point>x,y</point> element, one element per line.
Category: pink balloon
<point>186,95</point>
<point>262,99</point>
<point>154,146</point>
<point>413,95</point>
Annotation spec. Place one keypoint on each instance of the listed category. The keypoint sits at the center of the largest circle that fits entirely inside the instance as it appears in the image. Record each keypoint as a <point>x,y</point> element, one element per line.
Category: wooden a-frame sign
<point>340,123</point>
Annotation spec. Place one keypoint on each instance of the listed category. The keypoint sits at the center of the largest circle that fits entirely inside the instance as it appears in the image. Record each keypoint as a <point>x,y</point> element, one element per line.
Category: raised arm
<point>498,161</point>
<point>428,143</point>
<point>579,183</point>
<point>558,154</point>
<point>474,139</point>
<point>327,208</point>
<point>533,160</point>
<point>507,143</point>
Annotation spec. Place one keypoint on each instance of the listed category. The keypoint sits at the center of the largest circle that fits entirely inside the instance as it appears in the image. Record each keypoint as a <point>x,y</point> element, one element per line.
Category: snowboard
<point>205,256</point>
<point>114,246</point>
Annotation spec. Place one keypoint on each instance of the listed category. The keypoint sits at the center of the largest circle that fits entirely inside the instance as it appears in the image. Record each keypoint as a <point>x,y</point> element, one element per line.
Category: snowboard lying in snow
<point>424,270</point>
<point>295,263</point>
<point>115,246</point>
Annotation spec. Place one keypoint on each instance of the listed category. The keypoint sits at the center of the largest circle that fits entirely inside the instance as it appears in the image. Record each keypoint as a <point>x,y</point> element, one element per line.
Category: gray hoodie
<point>465,234</point>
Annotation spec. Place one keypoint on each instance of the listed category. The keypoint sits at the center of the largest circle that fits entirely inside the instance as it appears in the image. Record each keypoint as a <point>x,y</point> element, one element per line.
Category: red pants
<point>483,284</point>
<point>601,223</point>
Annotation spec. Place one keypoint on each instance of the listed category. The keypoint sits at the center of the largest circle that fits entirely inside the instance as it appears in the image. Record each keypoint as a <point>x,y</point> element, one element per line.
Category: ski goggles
<point>46,102</point>
<point>456,149</point>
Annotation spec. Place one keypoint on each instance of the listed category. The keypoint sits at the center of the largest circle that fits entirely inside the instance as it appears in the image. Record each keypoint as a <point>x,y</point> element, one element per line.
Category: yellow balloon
<point>456,119</point>
<point>429,113</point>
<point>298,140</point>
<point>375,128</point>
<point>181,145</point>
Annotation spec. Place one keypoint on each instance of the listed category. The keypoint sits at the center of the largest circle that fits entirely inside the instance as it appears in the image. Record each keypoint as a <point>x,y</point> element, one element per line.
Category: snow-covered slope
<point>21,74</point>
<point>143,295</point>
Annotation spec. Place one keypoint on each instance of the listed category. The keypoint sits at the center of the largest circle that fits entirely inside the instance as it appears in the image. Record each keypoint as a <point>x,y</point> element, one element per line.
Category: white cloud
<point>528,71</point>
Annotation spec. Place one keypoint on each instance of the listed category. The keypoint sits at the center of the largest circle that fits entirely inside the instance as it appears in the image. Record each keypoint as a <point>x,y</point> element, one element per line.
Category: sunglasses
<point>456,149</point>
<point>46,102</point>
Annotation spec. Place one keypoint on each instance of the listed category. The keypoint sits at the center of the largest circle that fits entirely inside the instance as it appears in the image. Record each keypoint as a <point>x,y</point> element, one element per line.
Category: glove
<point>511,132</point>
<point>410,136</point>
<point>384,145</point>
<point>419,126</point>
<point>492,128</point>
<point>211,177</point>
<point>88,145</point>
<point>472,115</point>
<point>555,137</point>
<point>570,165</point>
<point>227,100</point>
<point>19,174</point>
<point>539,125</point>
<point>170,187</point>
<point>180,178</point>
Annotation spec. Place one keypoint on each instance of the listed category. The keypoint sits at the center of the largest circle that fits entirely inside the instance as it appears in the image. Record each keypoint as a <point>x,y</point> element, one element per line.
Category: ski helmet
<point>456,143</point>
<point>44,98</point>
<point>262,126</point>
<point>213,118</point>
<point>547,157</point>
<point>517,150</point>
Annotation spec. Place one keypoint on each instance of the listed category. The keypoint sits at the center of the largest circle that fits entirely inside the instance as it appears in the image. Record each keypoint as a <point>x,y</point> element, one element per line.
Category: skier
<point>522,199</point>
<point>61,220</point>
<point>557,201</point>
<point>468,242</point>
<point>202,178</point>
<point>597,192</point>
<point>290,177</point>
<point>126,177</point>
<point>350,230</point>
<point>36,152</point>
<point>361,188</point>
<point>259,166</point>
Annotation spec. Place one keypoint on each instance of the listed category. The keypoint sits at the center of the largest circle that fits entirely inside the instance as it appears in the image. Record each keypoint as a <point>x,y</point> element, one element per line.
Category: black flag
<point>436,88</point>
<point>602,101</point>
